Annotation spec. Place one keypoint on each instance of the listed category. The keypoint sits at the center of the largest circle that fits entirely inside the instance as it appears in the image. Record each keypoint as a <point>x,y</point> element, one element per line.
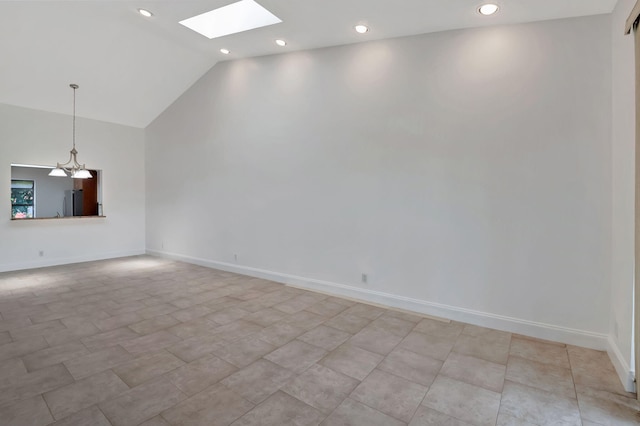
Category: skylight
<point>234,18</point>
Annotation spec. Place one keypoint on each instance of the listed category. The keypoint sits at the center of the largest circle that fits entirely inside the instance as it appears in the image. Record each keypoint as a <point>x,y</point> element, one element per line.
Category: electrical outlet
<point>235,257</point>
<point>365,278</point>
<point>41,253</point>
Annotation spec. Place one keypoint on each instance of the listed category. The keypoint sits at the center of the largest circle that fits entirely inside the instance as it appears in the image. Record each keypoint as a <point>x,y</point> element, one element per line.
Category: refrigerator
<point>73,201</point>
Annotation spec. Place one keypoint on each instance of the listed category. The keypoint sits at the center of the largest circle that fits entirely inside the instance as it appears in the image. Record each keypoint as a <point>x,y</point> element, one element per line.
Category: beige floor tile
<point>118,321</point>
<point>265,317</point>
<point>280,333</point>
<point>585,360</point>
<point>606,408</point>
<point>150,342</point>
<point>96,362</point>
<point>151,299</point>
<point>392,325</point>
<point>296,356</point>
<point>426,416</point>
<point>154,324</point>
<point>142,403</point>
<point>34,383</point>
<point>259,380</point>
<point>487,333</point>
<point>325,337</point>
<point>215,406</point>
<point>353,413</point>
<point>411,366</point>
<point>475,371</point>
<point>508,420</point>
<point>352,361</point>
<point>537,406</point>
<point>54,355</point>
<point>200,374</point>
<point>390,394</point>
<point>306,320</point>
<point>432,346</point>
<point>237,330</point>
<point>437,328</point>
<point>84,393</point>
<point>8,325</point>
<point>546,377</point>
<point>31,412</point>
<point>281,409</point>
<point>22,347</point>
<point>600,379</point>
<point>547,353</point>
<point>227,316</point>
<point>348,322</point>
<point>11,368</point>
<point>463,401</point>
<point>375,340</point>
<point>366,311</point>
<point>36,330</point>
<point>196,347</point>
<point>294,305</point>
<point>321,388</point>
<point>244,351</point>
<point>484,347</point>
<point>72,334</point>
<point>158,309</point>
<point>191,313</point>
<point>326,308</point>
<point>147,367</point>
<point>195,328</point>
<point>109,338</point>
<point>91,416</point>
<point>155,421</point>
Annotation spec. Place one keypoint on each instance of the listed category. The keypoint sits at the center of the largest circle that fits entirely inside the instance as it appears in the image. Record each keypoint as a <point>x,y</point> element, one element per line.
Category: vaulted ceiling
<point>131,68</point>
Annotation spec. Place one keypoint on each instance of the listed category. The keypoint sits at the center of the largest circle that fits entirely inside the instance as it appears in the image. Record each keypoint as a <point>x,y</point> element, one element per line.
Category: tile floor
<point>147,341</point>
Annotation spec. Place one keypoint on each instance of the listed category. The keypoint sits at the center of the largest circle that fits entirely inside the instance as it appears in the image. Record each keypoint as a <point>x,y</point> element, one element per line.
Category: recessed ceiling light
<point>234,18</point>
<point>488,9</point>
<point>225,51</point>
<point>281,42</point>
<point>145,13</point>
<point>361,28</point>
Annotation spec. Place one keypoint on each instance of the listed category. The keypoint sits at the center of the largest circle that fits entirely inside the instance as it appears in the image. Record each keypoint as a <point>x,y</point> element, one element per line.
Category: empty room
<point>355,212</point>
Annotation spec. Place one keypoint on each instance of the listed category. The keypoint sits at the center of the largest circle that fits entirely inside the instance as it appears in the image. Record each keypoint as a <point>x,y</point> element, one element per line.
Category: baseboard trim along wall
<point>43,263</point>
<point>623,369</point>
<point>570,336</point>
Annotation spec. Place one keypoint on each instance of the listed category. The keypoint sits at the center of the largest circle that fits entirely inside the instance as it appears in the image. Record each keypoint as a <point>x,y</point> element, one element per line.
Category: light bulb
<point>488,9</point>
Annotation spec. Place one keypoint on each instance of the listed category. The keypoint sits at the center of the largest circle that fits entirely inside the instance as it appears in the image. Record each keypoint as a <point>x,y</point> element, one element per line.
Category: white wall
<point>468,173</point>
<point>623,189</point>
<point>35,137</point>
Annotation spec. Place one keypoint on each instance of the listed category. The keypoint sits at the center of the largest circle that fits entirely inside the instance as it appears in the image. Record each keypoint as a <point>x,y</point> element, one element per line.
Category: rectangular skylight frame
<point>237,17</point>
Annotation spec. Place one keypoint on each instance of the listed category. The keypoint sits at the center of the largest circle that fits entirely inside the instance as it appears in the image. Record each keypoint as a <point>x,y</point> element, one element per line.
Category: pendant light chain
<point>74,87</point>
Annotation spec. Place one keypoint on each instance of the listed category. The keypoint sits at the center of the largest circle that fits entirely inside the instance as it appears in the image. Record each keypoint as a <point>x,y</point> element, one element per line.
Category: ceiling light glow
<point>281,43</point>
<point>361,29</point>
<point>488,9</point>
<point>145,13</point>
<point>225,51</point>
<point>237,17</point>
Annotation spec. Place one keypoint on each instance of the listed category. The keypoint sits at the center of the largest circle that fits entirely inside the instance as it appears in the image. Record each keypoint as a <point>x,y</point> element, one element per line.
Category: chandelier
<point>77,170</point>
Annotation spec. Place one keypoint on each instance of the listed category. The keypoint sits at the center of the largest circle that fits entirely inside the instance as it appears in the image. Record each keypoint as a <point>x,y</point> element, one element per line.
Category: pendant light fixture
<point>77,170</point>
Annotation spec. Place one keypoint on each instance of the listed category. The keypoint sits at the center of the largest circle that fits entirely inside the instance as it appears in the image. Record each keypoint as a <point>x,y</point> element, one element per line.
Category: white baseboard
<point>621,365</point>
<point>571,336</point>
<point>43,263</point>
